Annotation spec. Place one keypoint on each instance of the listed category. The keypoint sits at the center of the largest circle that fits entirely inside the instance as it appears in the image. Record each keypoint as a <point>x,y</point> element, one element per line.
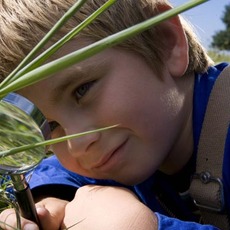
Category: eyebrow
<point>74,77</point>
<point>68,81</point>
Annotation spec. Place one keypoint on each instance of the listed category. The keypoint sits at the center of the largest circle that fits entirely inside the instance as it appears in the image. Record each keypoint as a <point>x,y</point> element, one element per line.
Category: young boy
<point>155,86</point>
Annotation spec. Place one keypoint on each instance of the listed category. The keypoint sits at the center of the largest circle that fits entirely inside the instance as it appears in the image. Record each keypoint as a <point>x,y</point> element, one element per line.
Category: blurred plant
<point>219,55</point>
<point>221,39</point>
<point>7,198</point>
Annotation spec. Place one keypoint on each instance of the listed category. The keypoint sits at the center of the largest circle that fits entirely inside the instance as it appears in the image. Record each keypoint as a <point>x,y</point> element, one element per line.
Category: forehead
<point>82,68</point>
<point>94,64</point>
<point>111,58</point>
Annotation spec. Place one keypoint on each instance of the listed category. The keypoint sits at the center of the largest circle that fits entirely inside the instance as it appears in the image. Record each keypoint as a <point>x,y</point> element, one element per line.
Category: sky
<point>206,18</point>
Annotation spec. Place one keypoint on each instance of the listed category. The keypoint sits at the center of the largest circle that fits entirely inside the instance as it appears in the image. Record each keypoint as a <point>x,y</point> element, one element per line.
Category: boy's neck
<point>182,149</point>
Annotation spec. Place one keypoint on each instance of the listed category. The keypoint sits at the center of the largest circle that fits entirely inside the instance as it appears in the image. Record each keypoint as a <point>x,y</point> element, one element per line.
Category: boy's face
<point>113,87</point>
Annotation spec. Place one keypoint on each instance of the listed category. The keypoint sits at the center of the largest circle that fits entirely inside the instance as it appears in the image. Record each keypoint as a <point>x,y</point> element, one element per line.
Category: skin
<point>118,87</point>
<point>135,214</point>
<point>115,87</point>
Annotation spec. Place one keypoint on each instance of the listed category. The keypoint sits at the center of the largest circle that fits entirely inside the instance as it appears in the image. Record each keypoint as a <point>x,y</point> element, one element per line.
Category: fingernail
<point>31,227</point>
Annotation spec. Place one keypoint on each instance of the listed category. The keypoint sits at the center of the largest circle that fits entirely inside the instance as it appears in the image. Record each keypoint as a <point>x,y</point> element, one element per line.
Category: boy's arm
<point>93,207</point>
<point>107,207</point>
<point>116,208</point>
<point>100,207</point>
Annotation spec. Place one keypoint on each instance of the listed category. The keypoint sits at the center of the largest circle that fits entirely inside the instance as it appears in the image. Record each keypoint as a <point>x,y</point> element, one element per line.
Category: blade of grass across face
<point>50,51</point>
<point>45,40</point>
<point>51,141</point>
<point>48,69</point>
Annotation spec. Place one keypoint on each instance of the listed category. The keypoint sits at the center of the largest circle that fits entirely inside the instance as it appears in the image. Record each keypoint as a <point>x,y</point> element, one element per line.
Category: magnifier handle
<point>26,204</point>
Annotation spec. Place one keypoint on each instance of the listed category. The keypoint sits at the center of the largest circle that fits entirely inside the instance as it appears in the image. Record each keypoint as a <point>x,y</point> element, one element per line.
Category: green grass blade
<point>48,69</point>
<point>51,141</point>
<point>50,51</point>
<point>46,38</point>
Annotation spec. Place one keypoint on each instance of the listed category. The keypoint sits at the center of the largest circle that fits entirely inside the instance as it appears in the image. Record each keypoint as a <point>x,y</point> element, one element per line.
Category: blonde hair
<point>25,22</point>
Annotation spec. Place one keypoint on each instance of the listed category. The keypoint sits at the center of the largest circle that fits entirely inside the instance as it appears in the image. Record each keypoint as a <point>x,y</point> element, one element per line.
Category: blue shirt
<point>50,178</point>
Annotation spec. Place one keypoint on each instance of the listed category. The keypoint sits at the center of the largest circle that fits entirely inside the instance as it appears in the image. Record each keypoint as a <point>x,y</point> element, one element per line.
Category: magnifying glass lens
<point>21,123</point>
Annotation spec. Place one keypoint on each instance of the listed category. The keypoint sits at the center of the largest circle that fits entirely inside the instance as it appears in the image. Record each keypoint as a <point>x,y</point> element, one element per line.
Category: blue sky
<point>206,18</point>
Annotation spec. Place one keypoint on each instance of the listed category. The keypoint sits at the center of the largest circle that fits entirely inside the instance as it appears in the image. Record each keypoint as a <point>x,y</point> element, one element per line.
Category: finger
<point>51,212</point>
<point>47,220</point>
<point>8,221</point>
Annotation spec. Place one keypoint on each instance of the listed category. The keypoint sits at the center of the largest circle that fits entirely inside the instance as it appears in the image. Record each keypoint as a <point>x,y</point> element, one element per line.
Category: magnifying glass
<point>21,123</point>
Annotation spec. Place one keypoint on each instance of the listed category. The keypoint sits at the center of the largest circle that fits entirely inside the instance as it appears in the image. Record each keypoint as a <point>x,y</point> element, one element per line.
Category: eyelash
<point>87,86</point>
<point>53,125</point>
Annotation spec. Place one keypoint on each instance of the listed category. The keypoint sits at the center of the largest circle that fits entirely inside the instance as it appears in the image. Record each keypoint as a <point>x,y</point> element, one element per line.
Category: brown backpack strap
<point>206,187</point>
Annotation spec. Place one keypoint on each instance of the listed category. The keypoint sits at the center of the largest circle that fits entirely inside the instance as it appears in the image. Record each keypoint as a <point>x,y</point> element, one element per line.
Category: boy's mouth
<point>111,159</point>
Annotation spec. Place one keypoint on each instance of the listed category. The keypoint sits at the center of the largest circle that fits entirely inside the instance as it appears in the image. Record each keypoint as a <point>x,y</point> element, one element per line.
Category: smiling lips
<point>109,159</point>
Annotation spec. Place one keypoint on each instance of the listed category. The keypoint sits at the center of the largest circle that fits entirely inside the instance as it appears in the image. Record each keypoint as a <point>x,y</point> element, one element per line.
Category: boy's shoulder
<point>202,89</point>
<point>210,186</point>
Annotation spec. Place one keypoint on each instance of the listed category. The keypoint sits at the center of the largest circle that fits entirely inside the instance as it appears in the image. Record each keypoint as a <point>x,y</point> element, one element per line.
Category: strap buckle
<point>210,185</point>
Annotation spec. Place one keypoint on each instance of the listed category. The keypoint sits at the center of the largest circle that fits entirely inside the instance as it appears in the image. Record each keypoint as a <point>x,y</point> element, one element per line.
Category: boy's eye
<point>53,125</point>
<point>83,89</point>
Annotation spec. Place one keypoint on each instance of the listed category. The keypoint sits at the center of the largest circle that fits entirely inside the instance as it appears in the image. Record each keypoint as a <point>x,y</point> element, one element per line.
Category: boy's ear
<point>176,45</point>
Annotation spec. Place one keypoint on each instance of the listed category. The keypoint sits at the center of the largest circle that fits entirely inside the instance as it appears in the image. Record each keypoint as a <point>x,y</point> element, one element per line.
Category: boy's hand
<point>50,212</point>
<point>105,207</point>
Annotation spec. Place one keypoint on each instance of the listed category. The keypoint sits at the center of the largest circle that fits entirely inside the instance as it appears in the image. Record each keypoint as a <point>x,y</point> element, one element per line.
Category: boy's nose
<point>80,145</point>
